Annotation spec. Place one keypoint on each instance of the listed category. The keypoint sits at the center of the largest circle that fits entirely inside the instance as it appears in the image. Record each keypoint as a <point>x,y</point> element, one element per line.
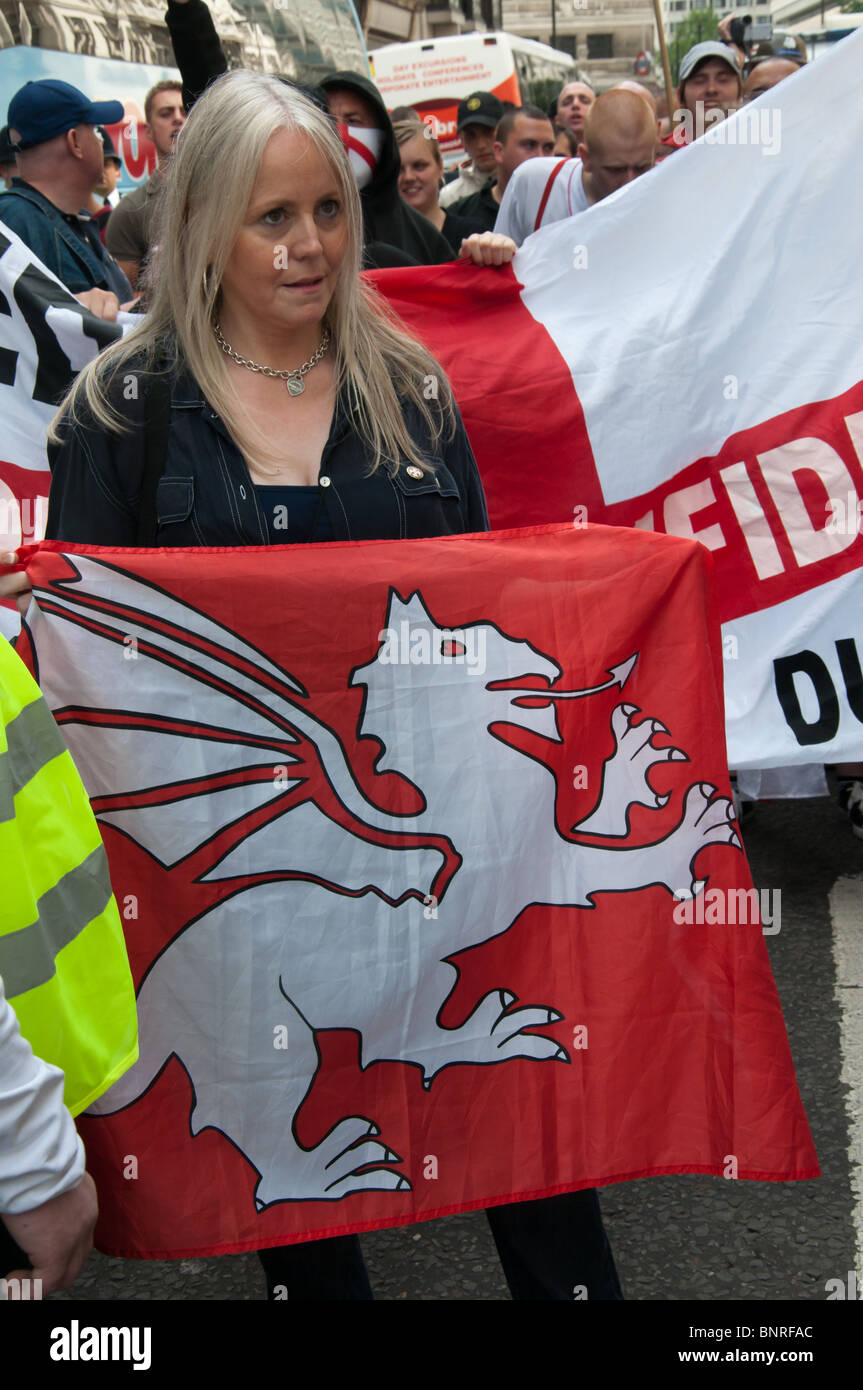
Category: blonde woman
<point>285,384</point>
<point>420,181</point>
<point>265,375</point>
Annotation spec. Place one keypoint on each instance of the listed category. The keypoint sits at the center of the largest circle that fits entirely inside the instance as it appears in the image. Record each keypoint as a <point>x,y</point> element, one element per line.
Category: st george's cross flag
<point>686,357</point>
<point>429,874</point>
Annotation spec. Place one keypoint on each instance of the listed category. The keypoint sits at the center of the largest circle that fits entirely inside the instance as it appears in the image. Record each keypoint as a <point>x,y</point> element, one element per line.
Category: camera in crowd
<point>745,31</point>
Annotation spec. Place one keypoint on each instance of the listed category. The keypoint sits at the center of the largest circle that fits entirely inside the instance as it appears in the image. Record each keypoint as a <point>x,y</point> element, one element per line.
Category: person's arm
<point>96,478</point>
<point>197,48</point>
<point>123,239</point>
<point>131,270</point>
<point>379,255</point>
<point>725,36</point>
<point>47,1201</point>
<point>459,459</point>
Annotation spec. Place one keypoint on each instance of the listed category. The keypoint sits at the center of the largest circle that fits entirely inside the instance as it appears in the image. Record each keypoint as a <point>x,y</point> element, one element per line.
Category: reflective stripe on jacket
<point>62,954</point>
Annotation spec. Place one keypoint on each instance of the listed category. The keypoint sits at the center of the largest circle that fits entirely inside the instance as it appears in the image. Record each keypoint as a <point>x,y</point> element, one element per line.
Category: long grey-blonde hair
<point>208,190</point>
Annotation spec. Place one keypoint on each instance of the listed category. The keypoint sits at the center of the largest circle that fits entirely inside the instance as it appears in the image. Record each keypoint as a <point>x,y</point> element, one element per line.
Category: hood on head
<point>385,178</point>
<point>395,229</point>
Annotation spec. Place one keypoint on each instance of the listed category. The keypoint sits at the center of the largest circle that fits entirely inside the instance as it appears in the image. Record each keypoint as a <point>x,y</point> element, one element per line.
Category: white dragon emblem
<point>198,751</point>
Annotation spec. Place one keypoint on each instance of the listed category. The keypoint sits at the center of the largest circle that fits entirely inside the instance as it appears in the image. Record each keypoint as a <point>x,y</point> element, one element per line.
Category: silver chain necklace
<point>294,379</point>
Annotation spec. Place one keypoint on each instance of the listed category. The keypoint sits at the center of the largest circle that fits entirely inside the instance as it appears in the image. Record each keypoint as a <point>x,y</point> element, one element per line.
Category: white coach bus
<point>434,75</point>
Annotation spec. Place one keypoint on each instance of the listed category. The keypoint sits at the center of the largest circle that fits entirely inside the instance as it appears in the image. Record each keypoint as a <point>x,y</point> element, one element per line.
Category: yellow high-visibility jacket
<point>63,959</point>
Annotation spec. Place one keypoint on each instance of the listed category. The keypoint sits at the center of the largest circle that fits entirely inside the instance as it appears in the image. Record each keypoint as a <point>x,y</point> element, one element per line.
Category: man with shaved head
<point>766,74</point>
<point>573,104</point>
<point>629,85</point>
<point>619,144</point>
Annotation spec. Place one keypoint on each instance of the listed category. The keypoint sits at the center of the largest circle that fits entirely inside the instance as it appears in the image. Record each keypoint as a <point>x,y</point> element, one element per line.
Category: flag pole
<point>666,66</point>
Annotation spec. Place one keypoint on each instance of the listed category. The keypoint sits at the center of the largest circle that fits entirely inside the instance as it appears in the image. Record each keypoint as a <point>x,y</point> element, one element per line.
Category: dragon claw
<point>625,774</point>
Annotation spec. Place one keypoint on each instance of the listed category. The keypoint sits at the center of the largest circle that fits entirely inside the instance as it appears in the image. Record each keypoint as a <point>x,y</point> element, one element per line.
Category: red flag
<point>513,386</point>
<point>432,889</point>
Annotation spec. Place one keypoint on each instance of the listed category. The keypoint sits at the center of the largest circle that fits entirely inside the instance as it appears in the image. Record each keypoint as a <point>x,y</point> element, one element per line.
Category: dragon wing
<point>197,745</point>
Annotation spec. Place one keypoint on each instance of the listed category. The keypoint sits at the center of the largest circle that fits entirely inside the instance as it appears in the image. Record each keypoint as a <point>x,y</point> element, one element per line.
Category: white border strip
<point>846,911</point>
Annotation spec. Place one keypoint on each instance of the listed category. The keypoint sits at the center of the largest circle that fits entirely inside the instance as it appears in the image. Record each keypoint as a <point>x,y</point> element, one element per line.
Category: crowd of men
<point>524,167</point>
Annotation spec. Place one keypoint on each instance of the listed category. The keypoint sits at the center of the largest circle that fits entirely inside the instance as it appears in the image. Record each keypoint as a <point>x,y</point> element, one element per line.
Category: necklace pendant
<point>295,384</point>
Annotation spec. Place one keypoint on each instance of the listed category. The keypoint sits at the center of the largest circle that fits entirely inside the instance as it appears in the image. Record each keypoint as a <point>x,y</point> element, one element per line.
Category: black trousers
<point>555,1248</point>
<point>11,1255</point>
<point>552,1249</point>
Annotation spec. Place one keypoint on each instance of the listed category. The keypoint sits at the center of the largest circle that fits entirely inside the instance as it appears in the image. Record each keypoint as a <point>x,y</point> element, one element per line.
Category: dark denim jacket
<point>206,497</point>
<point>80,265</point>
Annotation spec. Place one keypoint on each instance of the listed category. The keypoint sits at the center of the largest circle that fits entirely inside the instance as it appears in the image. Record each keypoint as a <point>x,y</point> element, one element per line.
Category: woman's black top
<point>205,495</point>
<point>294,514</point>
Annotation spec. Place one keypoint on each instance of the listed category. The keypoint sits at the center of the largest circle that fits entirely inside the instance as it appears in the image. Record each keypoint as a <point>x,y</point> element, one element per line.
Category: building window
<point>600,45</point>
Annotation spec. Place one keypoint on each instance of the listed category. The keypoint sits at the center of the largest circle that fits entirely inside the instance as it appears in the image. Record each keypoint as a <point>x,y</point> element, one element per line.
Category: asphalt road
<point>674,1238</point>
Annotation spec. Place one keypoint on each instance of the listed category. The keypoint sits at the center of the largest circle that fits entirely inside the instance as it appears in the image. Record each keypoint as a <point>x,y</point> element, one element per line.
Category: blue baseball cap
<point>41,110</point>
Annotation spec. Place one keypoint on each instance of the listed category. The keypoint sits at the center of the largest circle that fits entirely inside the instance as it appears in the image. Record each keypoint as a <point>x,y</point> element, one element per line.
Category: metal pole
<point>553,25</point>
<point>663,49</point>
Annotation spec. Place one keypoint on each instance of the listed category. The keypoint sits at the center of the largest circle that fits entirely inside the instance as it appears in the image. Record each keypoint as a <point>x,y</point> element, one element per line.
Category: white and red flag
<point>687,357</point>
<point>430,879</point>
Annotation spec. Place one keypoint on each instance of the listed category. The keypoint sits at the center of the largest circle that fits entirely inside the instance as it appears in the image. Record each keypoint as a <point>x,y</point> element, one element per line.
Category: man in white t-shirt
<point>619,144</point>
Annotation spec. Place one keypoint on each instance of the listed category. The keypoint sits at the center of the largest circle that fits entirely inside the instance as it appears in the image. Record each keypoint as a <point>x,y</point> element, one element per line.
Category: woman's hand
<point>15,585</point>
<point>487,248</point>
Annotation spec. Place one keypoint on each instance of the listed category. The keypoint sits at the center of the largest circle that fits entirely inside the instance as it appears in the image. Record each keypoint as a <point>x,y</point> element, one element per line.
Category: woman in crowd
<point>420,181</point>
<point>258,290</point>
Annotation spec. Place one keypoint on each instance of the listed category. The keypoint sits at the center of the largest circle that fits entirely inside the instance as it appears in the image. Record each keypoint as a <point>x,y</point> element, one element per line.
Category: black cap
<point>7,149</point>
<point>109,150</point>
<point>480,108</point>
